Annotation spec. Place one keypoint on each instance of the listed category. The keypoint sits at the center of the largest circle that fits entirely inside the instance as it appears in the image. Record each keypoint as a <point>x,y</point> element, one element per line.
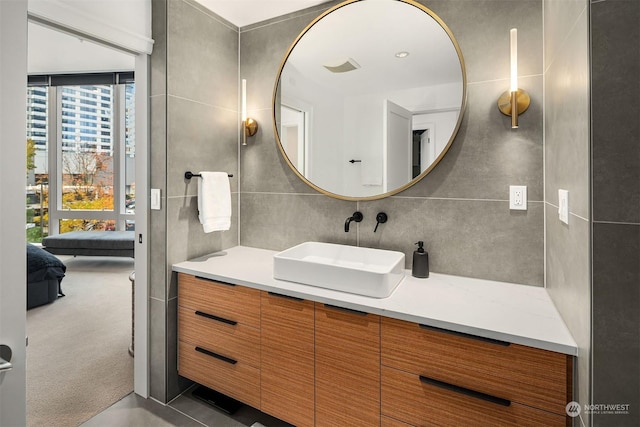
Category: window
<point>82,176</point>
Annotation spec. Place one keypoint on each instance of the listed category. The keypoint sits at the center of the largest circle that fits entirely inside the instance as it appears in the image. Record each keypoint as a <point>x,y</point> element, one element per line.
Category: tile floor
<point>185,410</point>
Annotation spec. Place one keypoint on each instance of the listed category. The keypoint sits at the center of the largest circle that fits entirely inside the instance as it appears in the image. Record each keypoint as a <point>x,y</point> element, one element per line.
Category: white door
<point>427,148</point>
<point>293,136</point>
<point>13,295</point>
<point>398,136</point>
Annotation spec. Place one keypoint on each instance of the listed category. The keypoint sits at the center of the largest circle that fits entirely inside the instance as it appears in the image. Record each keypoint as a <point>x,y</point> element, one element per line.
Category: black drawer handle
<point>216,355</point>
<point>464,335</point>
<point>216,318</point>
<point>214,281</point>
<point>286,296</point>
<point>348,310</point>
<point>467,392</point>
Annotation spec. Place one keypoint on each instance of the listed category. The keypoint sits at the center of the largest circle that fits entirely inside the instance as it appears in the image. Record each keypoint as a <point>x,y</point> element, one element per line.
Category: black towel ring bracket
<point>189,175</point>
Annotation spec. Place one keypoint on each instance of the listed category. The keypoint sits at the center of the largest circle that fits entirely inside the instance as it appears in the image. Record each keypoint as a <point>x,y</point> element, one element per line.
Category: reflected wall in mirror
<point>369,98</point>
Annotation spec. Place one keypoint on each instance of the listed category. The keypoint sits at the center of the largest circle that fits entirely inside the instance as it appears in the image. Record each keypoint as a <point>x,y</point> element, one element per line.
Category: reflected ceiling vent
<point>349,65</point>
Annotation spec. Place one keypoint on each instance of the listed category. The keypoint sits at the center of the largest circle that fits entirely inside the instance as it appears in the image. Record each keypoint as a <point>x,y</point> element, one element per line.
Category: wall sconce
<point>515,101</point>
<point>249,126</point>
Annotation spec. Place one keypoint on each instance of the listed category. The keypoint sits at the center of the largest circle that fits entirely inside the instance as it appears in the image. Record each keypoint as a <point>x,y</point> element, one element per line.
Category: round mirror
<point>369,98</point>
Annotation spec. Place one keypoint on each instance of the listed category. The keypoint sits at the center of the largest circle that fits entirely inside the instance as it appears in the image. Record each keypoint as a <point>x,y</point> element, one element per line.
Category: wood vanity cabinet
<point>287,368</point>
<point>219,337</point>
<point>443,378</point>
<point>314,364</point>
<point>347,367</point>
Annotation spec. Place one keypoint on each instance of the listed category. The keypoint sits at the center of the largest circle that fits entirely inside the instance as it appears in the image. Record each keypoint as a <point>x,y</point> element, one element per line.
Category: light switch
<point>155,199</point>
<point>563,206</point>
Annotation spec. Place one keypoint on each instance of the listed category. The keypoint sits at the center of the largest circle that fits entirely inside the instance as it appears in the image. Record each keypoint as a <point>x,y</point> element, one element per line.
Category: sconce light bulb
<point>248,125</point>
<point>515,101</point>
<point>244,101</point>
<point>514,59</point>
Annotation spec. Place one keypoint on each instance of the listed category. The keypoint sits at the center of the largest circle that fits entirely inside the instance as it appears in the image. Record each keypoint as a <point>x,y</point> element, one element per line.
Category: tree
<point>87,185</point>
<point>85,168</point>
<point>31,155</point>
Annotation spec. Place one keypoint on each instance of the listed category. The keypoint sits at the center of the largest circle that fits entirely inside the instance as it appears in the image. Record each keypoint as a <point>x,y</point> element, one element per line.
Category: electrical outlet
<point>518,197</point>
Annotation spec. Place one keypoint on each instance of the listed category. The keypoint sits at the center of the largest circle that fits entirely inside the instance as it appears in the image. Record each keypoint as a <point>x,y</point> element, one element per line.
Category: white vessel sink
<point>363,271</point>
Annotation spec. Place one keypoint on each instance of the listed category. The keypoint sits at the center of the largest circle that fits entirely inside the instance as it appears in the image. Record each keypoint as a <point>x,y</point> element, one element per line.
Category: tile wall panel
<point>616,131</point>
<point>157,349</point>
<point>194,126</point>
<point>615,36</point>
<point>567,123</point>
<point>279,221</point>
<point>482,30</point>
<point>616,326</point>
<point>200,137</point>
<point>157,219</point>
<point>473,238</point>
<point>568,283</point>
<point>567,151</point>
<point>560,18</point>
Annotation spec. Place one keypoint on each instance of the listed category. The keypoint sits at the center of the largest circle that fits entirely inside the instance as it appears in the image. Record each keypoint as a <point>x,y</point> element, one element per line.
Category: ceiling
<point>391,28</point>
<point>51,51</point>
<point>246,12</point>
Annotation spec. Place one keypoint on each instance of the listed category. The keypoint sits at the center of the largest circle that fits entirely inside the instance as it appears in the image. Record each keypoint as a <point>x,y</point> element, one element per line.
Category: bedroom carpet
<point>77,358</point>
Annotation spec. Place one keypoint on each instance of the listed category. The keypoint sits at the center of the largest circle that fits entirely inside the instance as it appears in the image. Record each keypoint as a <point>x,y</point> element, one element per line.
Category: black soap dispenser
<point>420,266</point>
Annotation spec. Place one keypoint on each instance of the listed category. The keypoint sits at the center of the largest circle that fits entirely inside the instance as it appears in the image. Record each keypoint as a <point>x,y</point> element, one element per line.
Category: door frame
<point>141,265</point>
<point>13,275</point>
<point>13,84</point>
<point>141,287</point>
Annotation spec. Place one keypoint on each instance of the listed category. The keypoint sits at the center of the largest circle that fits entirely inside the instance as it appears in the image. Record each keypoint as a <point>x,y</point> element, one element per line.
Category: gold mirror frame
<point>438,158</point>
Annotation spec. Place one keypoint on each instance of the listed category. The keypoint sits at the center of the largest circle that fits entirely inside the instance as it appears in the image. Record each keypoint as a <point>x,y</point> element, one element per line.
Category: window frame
<point>55,84</point>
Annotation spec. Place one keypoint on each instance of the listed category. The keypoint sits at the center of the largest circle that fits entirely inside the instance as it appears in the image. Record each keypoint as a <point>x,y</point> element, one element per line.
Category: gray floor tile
<point>186,410</point>
<point>210,416</point>
<point>135,411</point>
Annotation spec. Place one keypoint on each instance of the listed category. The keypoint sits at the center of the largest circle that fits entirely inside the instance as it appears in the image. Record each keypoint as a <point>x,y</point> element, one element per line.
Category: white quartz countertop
<point>510,312</point>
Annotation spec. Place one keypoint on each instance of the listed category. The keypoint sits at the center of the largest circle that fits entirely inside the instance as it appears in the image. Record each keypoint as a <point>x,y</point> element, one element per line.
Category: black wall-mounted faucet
<point>381,218</point>
<point>357,217</point>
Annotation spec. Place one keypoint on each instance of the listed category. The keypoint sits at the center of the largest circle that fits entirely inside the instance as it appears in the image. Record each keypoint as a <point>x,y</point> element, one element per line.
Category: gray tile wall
<point>157,219</point>
<point>460,209</point>
<point>194,112</point>
<point>615,36</point>
<point>567,167</point>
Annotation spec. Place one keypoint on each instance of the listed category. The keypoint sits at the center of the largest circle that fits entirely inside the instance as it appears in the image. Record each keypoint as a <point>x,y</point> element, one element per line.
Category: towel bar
<point>189,175</point>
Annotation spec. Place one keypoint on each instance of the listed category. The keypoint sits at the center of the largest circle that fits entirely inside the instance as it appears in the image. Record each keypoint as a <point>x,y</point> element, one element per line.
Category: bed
<point>44,277</point>
<point>91,243</point>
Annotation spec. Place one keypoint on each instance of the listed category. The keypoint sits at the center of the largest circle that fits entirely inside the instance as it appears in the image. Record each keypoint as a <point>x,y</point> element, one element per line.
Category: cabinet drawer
<point>409,398</point>
<point>533,377</point>
<point>237,303</point>
<point>238,380</point>
<point>287,366</point>
<point>347,367</point>
<point>237,341</point>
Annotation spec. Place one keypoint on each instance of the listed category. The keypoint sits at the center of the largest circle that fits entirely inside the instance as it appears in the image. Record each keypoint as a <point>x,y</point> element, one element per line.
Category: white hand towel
<point>214,201</point>
<point>370,173</point>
